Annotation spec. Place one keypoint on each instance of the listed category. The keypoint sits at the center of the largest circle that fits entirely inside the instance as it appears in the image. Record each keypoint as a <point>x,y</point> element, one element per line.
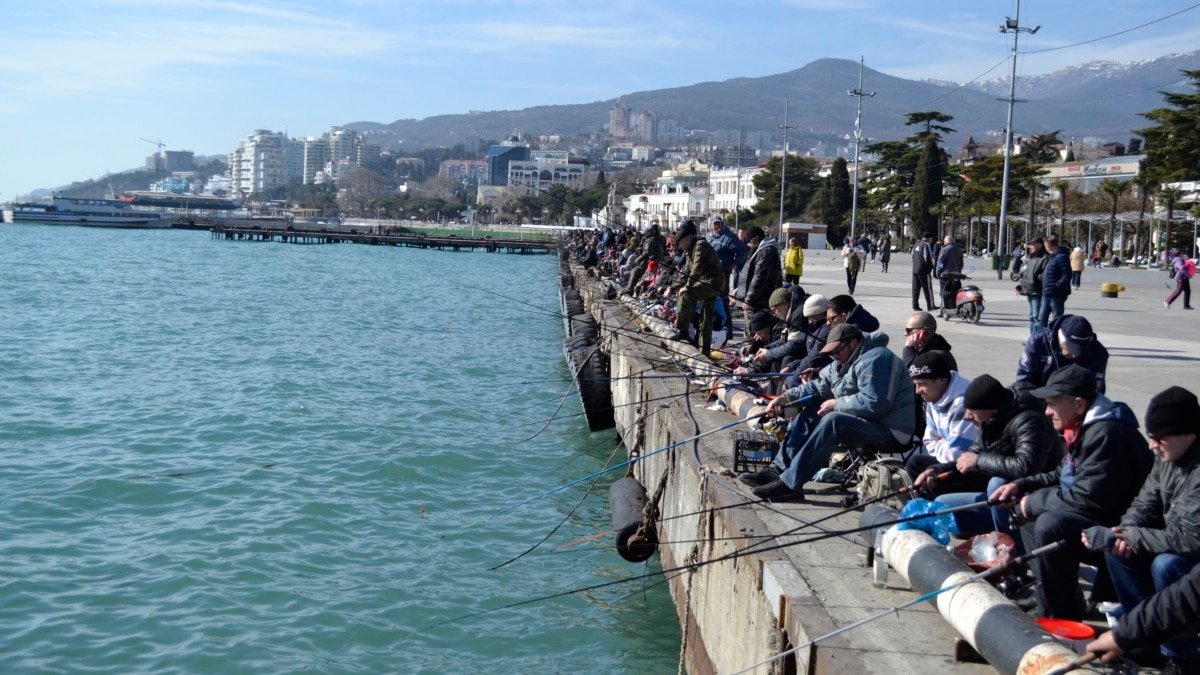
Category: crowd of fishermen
<point>1047,456</point>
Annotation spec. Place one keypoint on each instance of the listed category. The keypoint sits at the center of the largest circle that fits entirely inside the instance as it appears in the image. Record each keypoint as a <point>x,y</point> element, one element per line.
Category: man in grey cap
<point>863,398</point>
<point>1106,463</point>
<point>732,252</point>
<point>1158,540</point>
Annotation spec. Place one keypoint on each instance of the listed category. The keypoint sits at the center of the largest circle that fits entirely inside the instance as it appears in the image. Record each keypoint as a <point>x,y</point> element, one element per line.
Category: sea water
<point>233,457</point>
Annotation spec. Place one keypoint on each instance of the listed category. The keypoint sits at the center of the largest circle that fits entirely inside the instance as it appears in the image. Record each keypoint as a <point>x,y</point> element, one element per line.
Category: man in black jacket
<point>922,268</point>
<point>1172,612</point>
<point>1106,463</point>
<point>1056,281</point>
<point>1158,540</point>
<point>1031,282</point>
<point>1014,442</point>
<point>844,309</point>
<point>1067,340</point>
<point>920,336</point>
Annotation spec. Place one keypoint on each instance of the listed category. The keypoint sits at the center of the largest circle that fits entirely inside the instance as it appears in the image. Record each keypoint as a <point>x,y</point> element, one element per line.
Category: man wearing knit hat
<point>788,347</point>
<point>1106,463</point>
<point>1014,442</point>
<point>816,334</point>
<point>948,432</point>
<point>1158,540</point>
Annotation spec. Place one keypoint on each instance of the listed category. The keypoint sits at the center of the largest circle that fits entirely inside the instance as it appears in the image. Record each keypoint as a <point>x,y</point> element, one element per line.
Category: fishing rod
<point>991,571</point>
<point>611,468</point>
<point>728,556</point>
<point>805,523</point>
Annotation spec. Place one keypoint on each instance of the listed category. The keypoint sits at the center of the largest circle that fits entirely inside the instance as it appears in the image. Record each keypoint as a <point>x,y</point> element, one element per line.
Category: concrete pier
<point>752,605</point>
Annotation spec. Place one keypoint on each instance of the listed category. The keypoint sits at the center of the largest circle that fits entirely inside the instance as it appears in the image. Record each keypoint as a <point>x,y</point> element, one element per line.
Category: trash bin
<point>995,261</point>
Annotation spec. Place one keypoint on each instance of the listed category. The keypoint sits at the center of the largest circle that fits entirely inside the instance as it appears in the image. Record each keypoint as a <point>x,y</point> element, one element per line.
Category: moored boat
<point>57,210</point>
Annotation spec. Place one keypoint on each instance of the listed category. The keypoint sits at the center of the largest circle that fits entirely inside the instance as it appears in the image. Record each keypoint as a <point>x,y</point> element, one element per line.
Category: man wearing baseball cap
<point>863,398</point>
<point>1158,540</point>
<point>1068,340</point>
<point>1106,463</point>
<point>1031,281</point>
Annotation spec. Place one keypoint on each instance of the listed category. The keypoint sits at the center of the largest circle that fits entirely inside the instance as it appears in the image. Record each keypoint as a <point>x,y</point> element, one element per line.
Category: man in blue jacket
<point>1068,340</point>
<point>863,398</point>
<point>1056,281</point>
<point>731,251</point>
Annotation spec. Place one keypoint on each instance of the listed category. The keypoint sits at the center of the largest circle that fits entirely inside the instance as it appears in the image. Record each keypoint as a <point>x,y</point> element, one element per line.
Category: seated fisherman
<point>1068,339</point>
<point>1158,540</point>
<point>788,346</point>
<point>1106,463</point>
<point>948,432</point>
<point>763,326</point>
<point>816,333</point>
<point>1014,442</point>
<point>920,336</point>
<point>1172,612</point>
<point>844,309</point>
<point>865,399</point>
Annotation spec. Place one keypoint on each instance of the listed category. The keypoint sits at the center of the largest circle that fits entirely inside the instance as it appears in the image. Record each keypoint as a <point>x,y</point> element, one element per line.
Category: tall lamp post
<point>1009,26</point>
<point>783,166</point>
<point>858,94</point>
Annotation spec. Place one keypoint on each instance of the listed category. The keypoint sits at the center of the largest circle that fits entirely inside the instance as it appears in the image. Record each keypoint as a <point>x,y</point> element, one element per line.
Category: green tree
<point>1147,185</point>
<point>1041,148</point>
<point>1061,187</point>
<point>801,183</point>
<point>929,119</point>
<point>1173,143</point>
<point>1170,196</point>
<point>927,185</point>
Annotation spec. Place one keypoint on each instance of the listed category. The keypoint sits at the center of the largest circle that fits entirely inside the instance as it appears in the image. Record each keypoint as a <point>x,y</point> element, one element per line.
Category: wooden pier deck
<point>410,240</point>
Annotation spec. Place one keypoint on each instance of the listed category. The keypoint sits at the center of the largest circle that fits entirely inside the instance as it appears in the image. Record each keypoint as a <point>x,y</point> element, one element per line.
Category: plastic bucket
<point>1071,633</point>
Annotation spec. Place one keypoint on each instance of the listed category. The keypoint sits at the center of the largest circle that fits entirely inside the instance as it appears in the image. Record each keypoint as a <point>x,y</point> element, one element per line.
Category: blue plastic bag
<point>940,527</point>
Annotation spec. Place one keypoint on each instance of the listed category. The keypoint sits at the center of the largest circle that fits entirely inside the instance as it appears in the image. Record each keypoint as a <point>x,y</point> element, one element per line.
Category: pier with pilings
<point>449,242</point>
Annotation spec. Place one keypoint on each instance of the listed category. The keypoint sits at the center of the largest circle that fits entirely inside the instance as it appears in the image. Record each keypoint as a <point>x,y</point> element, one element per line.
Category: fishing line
<point>729,556</point>
<point>563,400</point>
<point>564,518</point>
<point>588,477</point>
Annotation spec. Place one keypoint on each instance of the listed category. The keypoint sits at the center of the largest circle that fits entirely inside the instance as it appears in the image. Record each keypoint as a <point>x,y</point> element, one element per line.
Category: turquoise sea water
<point>231,457</point>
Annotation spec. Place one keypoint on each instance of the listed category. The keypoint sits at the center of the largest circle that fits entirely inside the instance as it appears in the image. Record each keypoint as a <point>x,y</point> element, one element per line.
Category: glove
<point>1100,538</point>
<point>1127,535</point>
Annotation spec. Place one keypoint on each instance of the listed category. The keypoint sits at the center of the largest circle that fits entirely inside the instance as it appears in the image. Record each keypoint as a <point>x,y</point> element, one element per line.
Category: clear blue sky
<point>81,81</point>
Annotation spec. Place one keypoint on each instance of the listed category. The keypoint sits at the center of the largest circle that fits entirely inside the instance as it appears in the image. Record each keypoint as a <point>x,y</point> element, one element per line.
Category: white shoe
<point>1166,304</point>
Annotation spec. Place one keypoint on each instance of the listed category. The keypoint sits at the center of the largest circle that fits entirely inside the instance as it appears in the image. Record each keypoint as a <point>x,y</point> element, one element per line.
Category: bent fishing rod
<point>719,559</point>
<point>991,571</point>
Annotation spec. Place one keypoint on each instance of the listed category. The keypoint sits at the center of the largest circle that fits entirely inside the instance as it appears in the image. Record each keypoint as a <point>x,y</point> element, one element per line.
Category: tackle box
<point>753,450</point>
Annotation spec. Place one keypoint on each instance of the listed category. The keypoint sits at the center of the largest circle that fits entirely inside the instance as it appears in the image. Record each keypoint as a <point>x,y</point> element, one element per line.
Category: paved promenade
<point>1150,347</point>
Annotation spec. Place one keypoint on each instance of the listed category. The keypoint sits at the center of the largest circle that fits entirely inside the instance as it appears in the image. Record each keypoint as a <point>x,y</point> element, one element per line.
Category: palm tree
<point>1114,189</point>
<point>1062,186</point>
<point>1171,195</point>
<point>1147,185</point>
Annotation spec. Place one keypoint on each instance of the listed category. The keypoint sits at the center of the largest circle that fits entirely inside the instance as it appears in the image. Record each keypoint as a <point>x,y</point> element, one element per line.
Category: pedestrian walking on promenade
<point>922,268</point>
<point>1183,269</point>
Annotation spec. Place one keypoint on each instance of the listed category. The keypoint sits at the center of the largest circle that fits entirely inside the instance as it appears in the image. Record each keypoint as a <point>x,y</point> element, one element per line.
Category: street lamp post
<point>1009,26</point>
<point>858,94</point>
<point>783,166</point>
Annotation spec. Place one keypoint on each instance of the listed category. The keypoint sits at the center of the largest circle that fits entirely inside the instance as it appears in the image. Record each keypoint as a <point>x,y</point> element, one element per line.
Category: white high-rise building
<point>260,162</point>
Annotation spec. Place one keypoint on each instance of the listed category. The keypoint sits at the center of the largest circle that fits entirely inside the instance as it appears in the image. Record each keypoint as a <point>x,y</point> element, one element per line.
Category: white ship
<point>58,210</point>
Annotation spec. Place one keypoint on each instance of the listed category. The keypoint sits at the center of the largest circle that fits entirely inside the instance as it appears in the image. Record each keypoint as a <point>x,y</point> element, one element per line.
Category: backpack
<point>884,476</point>
<point>1189,268</point>
<point>854,261</point>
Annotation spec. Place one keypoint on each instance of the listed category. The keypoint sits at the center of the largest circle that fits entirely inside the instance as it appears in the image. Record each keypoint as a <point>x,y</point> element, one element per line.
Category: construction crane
<point>160,160</point>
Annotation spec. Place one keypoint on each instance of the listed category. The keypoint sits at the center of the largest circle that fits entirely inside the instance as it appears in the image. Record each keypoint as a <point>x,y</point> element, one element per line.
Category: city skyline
<point>84,84</point>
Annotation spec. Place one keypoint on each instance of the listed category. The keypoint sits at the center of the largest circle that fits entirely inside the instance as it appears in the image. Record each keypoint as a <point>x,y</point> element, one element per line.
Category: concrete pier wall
<point>738,611</point>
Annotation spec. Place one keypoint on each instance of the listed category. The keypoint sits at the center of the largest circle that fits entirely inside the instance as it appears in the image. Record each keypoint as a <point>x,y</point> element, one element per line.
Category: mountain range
<point>1098,99</point>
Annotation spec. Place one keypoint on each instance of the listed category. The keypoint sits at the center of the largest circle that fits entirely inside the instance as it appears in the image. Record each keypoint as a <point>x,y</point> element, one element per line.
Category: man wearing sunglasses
<point>1158,540</point>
